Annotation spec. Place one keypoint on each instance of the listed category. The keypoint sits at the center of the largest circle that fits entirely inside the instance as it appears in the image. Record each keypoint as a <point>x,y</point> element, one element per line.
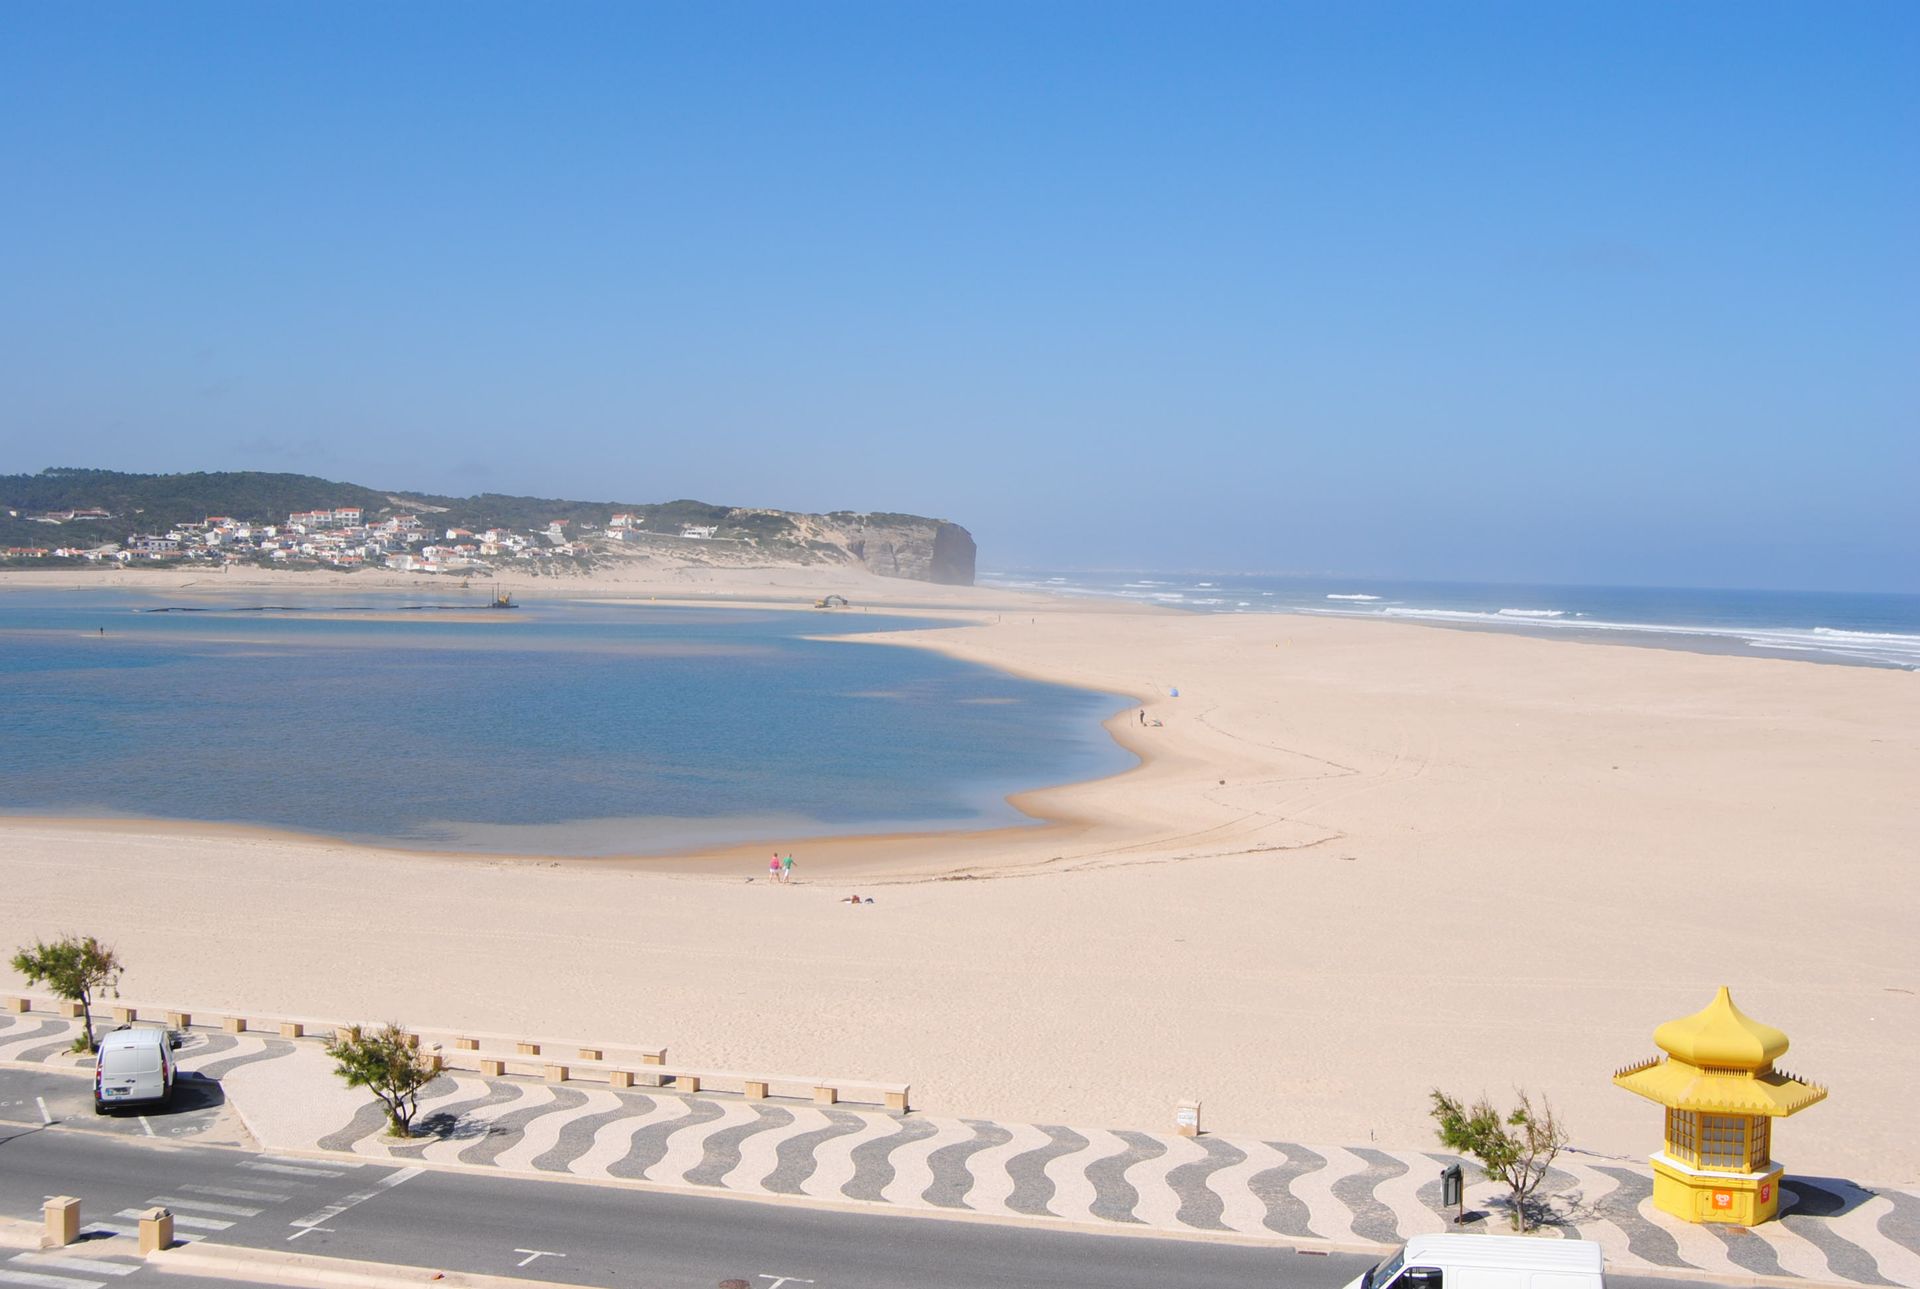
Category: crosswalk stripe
<point>132,1232</point>
<point>288,1170</point>
<point>234,1192</point>
<point>62,1262</point>
<point>332,1211</point>
<point>181,1219</point>
<point>308,1163</point>
<point>203,1206</point>
<point>39,1281</point>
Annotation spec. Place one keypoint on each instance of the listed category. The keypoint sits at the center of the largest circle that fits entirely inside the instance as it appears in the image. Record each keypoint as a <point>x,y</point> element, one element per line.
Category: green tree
<point>1515,1151</point>
<point>388,1064</point>
<point>74,967</point>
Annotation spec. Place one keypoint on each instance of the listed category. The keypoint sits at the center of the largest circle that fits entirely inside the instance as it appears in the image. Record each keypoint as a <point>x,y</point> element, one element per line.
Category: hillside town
<point>344,538</point>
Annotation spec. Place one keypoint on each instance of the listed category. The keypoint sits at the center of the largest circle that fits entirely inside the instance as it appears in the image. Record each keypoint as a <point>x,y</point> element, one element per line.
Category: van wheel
<point>98,1108</point>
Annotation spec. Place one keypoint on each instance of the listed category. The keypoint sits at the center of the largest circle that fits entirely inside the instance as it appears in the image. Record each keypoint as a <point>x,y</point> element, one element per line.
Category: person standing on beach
<point>773,867</point>
<point>786,869</point>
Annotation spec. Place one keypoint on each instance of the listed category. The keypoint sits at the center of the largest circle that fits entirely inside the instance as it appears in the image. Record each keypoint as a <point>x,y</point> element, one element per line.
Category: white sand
<point>1437,857</point>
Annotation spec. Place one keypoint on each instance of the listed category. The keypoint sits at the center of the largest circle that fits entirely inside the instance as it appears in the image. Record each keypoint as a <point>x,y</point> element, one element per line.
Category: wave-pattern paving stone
<point>444,1122</point>
<point>951,1177</point>
<point>1748,1251</point>
<point>1286,1212</point>
<point>1901,1223</point>
<point>1814,1202</point>
<point>873,1160</point>
<point>504,1132</point>
<point>1031,1186</point>
<point>577,1136</point>
<point>1116,1196</point>
<point>1200,1208</point>
<point>1556,1182</point>
<point>1644,1240</point>
<point>650,1144</point>
<point>1372,1220</point>
<point>367,1120</point>
<point>722,1153</point>
<point>26,1033</point>
<point>796,1153</point>
<point>217,1070</point>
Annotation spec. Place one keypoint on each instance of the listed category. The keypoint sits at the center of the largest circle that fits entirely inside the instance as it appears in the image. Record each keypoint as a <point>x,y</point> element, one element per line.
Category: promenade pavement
<point>1833,1230</point>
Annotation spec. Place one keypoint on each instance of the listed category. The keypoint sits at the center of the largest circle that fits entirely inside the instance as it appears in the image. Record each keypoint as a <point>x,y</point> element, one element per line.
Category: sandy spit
<point>1361,859</point>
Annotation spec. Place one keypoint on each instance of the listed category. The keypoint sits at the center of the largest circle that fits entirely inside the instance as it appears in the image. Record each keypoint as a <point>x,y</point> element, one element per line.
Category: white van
<point>134,1067</point>
<point>1487,1262</point>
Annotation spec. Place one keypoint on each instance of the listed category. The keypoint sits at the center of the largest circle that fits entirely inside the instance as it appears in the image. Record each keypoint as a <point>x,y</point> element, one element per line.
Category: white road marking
<point>203,1206</point>
<point>132,1232</point>
<point>46,1116</point>
<point>782,1280</point>
<point>289,1170</point>
<point>309,1230</point>
<point>181,1219</point>
<point>63,1262</point>
<point>309,1163</point>
<point>535,1253</point>
<point>234,1192</point>
<point>47,1282</point>
<point>332,1211</point>
<point>146,1125</point>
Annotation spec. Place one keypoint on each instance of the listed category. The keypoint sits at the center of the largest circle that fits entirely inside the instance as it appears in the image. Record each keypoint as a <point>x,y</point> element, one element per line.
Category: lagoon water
<point>558,728</point>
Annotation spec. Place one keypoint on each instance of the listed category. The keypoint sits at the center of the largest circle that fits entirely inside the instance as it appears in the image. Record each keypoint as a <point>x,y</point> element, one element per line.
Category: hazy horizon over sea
<point>563,728</point>
<point>1878,629</point>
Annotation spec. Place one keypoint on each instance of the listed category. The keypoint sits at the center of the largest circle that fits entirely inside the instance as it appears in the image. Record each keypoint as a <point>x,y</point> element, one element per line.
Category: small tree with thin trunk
<point>1516,1150</point>
<point>388,1064</point>
<point>75,968</point>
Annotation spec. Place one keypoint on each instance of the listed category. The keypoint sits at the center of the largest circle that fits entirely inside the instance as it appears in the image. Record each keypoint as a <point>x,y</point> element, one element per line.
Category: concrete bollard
<point>898,1100</point>
<point>527,1049</point>
<point>756,1089</point>
<point>620,1078</point>
<point>234,1024</point>
<point>557,1073</point>
<point>179,1020</point>
<point>592,1054</point>
<point>15,1005</point>
<point>654,1058</point>
<point>686,1082</point>
<point>62,1216</point>
<point>826,1096</point>
<point>467,1044</point>
<point>434,1061</point>
<point>156,1231</point>
<point>125,1015</point>
<point>70,1008</point>
<point>493,1069</point>
<point>346,1033</point>
<point>1186,1118</point>
<point>292,1029</point>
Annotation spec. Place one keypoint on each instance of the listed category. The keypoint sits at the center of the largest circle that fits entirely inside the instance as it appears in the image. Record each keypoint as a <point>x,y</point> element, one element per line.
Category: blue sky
<point>1582,292</point>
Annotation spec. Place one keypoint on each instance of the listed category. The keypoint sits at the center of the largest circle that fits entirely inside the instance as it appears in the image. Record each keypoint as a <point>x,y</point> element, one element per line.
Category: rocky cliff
<point>908,546</point>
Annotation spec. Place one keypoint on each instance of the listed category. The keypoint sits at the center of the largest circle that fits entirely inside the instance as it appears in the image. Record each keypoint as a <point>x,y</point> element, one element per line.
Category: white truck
<point>134,1067</point>
<point>1487,1262</point>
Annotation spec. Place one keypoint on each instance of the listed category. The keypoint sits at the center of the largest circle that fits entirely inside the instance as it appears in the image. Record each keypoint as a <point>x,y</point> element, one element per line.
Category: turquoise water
<point>566,729</point>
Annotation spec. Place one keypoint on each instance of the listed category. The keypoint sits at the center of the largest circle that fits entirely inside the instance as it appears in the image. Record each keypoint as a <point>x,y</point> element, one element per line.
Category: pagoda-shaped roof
<point>1720,1060</point>
<point>1721,1036</point>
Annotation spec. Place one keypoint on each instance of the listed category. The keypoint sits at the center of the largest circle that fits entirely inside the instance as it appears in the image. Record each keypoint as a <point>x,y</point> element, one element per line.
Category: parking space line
<point>63,1262</point>
<point>288,1170</point>
<point>46,1115</point>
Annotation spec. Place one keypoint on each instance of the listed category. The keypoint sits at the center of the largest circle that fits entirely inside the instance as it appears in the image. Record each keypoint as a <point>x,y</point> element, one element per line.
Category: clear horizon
<point>1597,296</point>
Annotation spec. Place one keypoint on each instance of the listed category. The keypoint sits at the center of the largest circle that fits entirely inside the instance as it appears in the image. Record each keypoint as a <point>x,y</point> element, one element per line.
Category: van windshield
<point>1386,1271</point>
<point>130,1060</point>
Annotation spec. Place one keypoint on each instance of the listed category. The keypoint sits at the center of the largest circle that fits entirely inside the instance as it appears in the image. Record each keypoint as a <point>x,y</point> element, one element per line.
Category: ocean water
<point>562,728</point>
<point>1881,630</point>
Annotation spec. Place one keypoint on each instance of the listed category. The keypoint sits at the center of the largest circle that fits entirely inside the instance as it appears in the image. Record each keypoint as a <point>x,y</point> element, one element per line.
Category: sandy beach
<point>1360,859</point>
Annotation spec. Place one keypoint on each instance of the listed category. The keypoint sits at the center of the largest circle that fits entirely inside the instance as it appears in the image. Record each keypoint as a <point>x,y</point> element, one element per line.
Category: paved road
<point>596,1235</point>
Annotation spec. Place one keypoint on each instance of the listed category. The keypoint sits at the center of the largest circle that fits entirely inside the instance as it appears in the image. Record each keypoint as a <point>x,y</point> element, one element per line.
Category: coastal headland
<point>1360,859</point>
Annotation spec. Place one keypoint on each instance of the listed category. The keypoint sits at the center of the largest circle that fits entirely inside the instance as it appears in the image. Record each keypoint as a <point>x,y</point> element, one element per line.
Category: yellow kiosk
<point>1722,1095</point>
